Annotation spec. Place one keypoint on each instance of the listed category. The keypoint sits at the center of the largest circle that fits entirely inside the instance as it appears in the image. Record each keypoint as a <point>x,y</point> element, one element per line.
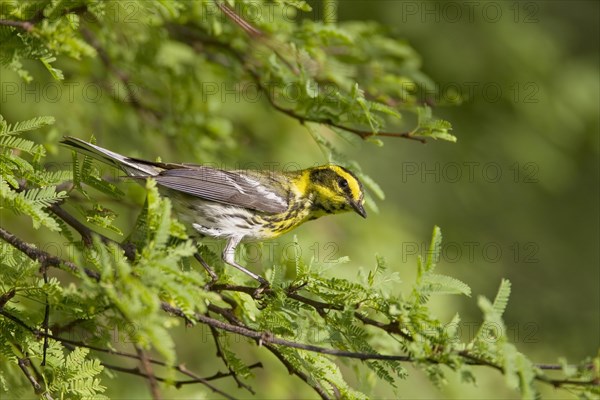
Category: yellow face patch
<point>333,183</point>
<point>353,183</point>
<point>331,189</point>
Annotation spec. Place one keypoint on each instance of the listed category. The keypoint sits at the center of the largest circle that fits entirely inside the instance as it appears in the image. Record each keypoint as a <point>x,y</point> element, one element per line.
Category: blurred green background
<point>517,196</point>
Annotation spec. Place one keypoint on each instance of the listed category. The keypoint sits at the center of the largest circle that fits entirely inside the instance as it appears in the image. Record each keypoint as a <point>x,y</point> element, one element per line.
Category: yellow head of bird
<point>336,190</point>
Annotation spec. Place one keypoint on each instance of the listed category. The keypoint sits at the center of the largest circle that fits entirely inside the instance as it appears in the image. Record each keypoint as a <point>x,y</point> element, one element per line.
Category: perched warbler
<point>241,205</point>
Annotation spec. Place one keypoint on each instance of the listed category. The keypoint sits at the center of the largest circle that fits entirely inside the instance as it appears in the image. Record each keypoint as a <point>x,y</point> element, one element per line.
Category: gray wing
<point>240,188</point>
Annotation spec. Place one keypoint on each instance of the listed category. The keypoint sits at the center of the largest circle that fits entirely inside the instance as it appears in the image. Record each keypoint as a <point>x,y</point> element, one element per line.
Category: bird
<point>241,205</point>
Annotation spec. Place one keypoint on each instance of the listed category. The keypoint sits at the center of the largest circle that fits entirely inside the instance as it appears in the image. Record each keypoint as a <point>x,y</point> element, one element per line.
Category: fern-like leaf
<point>501,299</point>
<point>17,143</point>
<point>23,126</point>
<point>443,284</point>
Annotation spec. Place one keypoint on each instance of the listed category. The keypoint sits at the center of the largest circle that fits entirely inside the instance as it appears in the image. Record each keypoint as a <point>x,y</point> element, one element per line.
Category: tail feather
<point>128,165</point>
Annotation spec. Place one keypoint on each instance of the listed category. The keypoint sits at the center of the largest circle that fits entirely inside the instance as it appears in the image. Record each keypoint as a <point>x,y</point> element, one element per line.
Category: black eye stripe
<point>327,177</point>
<point>345,186</point>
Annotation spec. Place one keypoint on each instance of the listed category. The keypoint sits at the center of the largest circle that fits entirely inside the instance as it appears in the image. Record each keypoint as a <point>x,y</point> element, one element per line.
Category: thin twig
<point>136,371</point>
<point>189,37</point>
<point>67,327</point>
<point>213,275</point>
<point>239,21</point>
<point>87,234</point>
<point>220,375</point>
<point>146,368</point>
<point>290,367</point>
<point>221,355</point>
<point>256,33</point>
<point>25,25</point>
<point>320,307</point>
<point>177,384</point>
<point>299,373</point>
<point>5,297</point>
<point>43,257</point>
<point>557,383</point>
<point>267,337</point>
<point>29,25</point>
<point>24,363</point>
<point>71,344</point>
<point>123,76</point>
<point>44,270</point>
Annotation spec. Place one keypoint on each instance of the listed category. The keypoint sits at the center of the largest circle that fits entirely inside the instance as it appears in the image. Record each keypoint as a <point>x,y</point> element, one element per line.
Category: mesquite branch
<point>199,43</point>
<point>234,325</point>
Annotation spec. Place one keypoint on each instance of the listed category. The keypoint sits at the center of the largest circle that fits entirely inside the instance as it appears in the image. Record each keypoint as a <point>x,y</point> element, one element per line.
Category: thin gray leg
<point>229,258</point>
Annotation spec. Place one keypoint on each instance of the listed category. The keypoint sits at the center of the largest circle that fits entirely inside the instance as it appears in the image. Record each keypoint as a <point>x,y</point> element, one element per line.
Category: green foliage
<point>75,375</point>
<point>88,174</point>
<point>23,126</point>
<point>25,187</point>
<point>85,173</point>
<point>350,74</point>
<point>67,374</point>
<point>492,343</point>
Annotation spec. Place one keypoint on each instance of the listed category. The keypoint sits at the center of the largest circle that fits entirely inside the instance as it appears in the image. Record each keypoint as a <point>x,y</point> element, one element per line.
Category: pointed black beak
<point>360,209</point>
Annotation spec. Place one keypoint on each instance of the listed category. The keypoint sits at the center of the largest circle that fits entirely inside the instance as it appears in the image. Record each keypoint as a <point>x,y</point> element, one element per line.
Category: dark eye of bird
<point>343,183</point>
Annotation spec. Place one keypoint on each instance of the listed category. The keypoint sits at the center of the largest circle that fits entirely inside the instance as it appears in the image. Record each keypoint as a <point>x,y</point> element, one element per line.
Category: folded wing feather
<point>234,188</point>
